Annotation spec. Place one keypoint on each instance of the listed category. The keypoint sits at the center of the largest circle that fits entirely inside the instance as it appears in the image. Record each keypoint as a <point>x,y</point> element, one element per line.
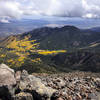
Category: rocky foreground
<point>70,86</point>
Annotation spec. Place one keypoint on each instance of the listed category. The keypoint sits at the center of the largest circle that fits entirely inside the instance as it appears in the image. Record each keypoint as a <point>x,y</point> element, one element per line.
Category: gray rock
<point>98,96</point>
<point>23,96</point>
<point>34,84</point>
<point>59,99</point>
<point>18,76</point>
<point>6,76</point>
<point>92,96</point>
<point>59,83</point>
<point>7,82</point>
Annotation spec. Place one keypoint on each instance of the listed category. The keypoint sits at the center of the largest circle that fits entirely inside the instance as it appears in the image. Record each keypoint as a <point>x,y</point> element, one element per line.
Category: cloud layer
<point>64,8</point>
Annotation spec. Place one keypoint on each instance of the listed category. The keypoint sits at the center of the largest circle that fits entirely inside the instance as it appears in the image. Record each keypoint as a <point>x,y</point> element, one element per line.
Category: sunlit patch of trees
<point>21,48</point>
<point>94,45</point>
<point>2,55</point>
<point>36,60</point>
<point>18,51</point>
<point>23,45</point>
<point>49,52</point>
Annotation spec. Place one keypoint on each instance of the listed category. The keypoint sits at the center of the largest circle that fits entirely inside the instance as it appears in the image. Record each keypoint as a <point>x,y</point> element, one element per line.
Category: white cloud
<point>91,9</point>
<point>4,21</point>
<point>67,8</point>
<point>9,9</point>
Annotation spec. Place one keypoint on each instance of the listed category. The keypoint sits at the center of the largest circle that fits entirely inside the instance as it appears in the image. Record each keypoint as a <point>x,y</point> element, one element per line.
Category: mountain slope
<point>49,54</point>
<point>67,37</point>
<point>19,26</point>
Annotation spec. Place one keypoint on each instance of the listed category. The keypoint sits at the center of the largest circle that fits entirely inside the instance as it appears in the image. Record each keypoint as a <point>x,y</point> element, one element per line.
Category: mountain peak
<point>68,27</point>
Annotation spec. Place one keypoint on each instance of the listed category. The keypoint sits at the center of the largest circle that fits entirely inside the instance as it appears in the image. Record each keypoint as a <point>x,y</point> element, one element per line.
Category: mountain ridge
<point>67,37</point>
<point>57,50</point>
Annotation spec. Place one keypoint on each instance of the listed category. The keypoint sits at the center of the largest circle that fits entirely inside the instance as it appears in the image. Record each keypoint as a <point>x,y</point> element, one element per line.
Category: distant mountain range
<point>83,47</point>
<point>25,25</point>
<point>95,29</point>
<point>19,26</point>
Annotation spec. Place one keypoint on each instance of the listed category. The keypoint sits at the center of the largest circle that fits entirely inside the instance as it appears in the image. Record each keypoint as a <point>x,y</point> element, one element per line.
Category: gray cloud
<point>67,8</point>
<point>9,9</point>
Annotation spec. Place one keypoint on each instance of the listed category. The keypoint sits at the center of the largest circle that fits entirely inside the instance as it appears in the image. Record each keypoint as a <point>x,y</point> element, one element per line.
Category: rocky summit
<point>66,86</point>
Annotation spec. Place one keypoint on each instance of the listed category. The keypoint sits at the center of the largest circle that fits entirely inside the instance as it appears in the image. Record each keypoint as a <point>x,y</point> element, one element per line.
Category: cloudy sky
<point>18,9</point>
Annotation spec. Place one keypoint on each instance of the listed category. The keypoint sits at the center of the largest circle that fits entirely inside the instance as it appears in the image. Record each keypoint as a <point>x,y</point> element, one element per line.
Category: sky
<point>19,9</point>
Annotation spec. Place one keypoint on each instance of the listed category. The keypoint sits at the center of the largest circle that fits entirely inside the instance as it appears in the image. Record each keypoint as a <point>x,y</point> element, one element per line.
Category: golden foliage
<point>94,45</point>
<point>47,52</point>
<point>2,55</point>
<point>10,60</point>
<point>37,60</point>
<point>23,45</point>
<point>21,48</point>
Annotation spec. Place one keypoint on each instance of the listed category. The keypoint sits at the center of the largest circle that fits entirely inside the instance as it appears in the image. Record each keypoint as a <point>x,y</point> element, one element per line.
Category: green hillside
<point>52,50</point>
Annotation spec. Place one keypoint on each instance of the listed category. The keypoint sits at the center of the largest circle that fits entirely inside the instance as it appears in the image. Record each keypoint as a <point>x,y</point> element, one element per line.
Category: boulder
<point>59,83</point>
<point>18,76</point>
<point>7,75</point>
<point>23,96</point>
<point>35,86</point>
<point>59,99</point>
<point>7,82</point>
